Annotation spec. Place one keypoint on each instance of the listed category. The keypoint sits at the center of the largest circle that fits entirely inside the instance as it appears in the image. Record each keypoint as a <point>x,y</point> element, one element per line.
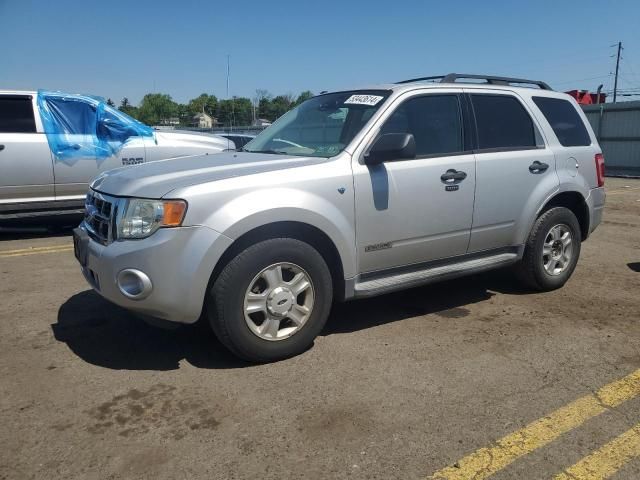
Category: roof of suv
<point>454,80</point>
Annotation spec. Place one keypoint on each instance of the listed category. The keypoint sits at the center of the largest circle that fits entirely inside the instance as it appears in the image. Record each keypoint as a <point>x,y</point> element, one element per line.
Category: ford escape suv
<point>351,194</point>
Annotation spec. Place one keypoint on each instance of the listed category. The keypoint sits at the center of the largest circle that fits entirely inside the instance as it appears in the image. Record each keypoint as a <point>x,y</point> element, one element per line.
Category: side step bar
<point>400,281</point>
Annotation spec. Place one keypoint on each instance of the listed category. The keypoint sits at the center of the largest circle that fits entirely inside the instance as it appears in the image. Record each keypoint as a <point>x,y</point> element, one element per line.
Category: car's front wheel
<point>272,300</point>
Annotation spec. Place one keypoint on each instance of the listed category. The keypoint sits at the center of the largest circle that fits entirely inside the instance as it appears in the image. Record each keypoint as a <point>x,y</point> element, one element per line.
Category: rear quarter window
<point>16,115</point>
<point>564,120</point>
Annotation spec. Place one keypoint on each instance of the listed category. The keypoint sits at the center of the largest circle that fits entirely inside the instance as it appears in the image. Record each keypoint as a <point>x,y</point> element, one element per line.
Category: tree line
<point>161,109</point>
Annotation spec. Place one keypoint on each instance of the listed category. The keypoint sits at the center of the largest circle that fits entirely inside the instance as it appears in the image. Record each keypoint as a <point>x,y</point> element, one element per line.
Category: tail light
<point>600,169</point>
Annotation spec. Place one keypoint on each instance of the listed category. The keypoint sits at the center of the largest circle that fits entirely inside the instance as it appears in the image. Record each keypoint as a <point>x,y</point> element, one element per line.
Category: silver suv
<point>351,194</point>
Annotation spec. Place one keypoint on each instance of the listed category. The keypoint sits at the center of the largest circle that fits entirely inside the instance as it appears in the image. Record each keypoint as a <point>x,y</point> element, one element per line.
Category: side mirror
<point>391,146</point>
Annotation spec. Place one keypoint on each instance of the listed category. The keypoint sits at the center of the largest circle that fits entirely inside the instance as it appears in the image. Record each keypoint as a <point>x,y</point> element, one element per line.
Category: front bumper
<point>178,261</point>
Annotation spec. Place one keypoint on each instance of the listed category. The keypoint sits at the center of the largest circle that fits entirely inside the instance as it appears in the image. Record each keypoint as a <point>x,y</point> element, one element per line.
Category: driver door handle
<point>453,176</point>
<point>1,147</point>
<point>538,167</point>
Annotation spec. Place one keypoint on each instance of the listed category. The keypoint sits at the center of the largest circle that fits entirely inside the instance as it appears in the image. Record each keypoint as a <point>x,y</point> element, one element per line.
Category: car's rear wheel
<point>552,250</point>
<point>272,300</point>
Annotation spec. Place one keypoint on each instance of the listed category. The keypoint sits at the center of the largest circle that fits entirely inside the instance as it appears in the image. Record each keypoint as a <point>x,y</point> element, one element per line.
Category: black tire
<point>531,269</point>
<point>225,301</point>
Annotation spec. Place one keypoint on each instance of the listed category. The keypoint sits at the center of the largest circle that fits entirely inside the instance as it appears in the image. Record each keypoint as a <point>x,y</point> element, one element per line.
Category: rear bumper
<point>595,202</point>
<point>177,261</point>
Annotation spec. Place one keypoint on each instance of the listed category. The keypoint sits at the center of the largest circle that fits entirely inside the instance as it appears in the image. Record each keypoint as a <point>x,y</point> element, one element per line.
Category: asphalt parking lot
<point>472,378</point>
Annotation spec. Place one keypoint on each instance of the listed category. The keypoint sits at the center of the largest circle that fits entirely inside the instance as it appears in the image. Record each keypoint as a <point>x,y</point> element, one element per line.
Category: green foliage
<point>157,108</point>
<point>127,108</point>
<point>304,96</point>
<point>204,103</point>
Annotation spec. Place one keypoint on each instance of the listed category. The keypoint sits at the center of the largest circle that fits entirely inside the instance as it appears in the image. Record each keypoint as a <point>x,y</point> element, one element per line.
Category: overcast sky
<point>120,48</point>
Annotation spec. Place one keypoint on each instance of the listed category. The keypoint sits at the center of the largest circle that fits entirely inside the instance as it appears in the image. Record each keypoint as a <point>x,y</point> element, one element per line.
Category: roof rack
<point>490,79</point>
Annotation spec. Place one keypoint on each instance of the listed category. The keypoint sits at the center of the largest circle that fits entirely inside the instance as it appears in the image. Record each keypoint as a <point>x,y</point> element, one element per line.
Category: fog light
<point>134,284</point>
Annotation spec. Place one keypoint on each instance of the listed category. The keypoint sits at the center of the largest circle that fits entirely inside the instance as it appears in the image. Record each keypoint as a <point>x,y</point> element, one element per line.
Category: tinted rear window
<point>502,122</point>
<point>565,121</point>
<point>16,115</point>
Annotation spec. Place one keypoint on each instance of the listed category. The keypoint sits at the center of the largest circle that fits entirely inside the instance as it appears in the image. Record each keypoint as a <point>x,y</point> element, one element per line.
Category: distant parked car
<point>53,144</point>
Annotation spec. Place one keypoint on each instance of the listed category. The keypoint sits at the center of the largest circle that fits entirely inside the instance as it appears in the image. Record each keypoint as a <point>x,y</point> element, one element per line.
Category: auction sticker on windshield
<point>363,100</point>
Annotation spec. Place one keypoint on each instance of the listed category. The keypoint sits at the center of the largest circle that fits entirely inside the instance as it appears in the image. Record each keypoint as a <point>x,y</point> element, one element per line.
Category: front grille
<point>99,215</point>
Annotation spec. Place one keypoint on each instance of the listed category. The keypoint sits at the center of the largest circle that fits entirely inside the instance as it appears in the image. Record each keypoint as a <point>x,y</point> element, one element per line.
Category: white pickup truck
<point>53,144</point>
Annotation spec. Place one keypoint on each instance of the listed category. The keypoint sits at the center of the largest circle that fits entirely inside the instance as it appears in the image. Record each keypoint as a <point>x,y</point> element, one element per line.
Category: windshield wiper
<point>273,152</point>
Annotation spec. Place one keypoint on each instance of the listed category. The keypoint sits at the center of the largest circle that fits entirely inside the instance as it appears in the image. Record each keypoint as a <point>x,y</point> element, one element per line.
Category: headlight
<point>143,217</point>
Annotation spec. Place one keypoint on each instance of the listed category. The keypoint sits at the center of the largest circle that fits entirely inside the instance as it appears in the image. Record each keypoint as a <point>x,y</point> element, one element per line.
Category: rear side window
<point>16,115</point>
<point>502,122</point>
<point>564,120</point>
<point>434,121</point>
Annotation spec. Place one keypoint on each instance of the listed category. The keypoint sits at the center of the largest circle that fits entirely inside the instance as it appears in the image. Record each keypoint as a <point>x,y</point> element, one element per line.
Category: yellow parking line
<point>31,249</point>
<point>488,460</point>
<point>607,460</point>
<point>35,251</point>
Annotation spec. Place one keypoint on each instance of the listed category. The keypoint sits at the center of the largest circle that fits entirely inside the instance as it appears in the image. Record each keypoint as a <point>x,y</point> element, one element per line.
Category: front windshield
<point>320,127</point>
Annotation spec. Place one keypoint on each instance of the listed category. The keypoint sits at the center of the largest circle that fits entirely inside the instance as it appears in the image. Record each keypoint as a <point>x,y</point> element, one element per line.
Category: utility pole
<point>228,75</point>
<point>615,82</point>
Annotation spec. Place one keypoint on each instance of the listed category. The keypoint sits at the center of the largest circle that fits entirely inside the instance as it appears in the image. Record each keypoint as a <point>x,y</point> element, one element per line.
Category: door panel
<point>404,215</point>
<point>515,171</point>
<point>504,188</point>
<point>406,212</point>
<point>26,169</point>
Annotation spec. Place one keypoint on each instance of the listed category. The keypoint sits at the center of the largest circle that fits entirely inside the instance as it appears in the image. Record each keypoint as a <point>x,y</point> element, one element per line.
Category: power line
<point>582,79</point>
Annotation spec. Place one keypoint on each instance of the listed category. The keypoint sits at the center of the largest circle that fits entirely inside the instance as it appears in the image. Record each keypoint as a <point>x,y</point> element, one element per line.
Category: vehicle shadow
<point>106,335</point>
<point>635,266</point>
<point>447,299</point>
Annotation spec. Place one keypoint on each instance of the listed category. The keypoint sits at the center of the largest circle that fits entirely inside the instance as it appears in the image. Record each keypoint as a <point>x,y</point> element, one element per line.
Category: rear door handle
<point>453,176</point>
<point>538,167</point>
<point>1,147</point>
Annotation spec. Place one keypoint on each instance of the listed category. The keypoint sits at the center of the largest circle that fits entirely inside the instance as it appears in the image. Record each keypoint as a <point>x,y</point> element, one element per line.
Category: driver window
<point>433,120</point>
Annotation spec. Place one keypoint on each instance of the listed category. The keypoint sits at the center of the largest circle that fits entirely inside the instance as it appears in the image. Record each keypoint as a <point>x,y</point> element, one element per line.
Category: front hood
<point>171,138</point>
<point>156,179</point>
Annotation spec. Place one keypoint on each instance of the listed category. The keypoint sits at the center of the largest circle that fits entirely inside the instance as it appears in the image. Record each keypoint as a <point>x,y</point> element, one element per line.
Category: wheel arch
<point>575,202</point>
<point>289,229</point>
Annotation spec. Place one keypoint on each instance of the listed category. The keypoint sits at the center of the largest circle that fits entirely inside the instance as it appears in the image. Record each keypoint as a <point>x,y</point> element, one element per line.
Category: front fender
<point>257,208</point>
